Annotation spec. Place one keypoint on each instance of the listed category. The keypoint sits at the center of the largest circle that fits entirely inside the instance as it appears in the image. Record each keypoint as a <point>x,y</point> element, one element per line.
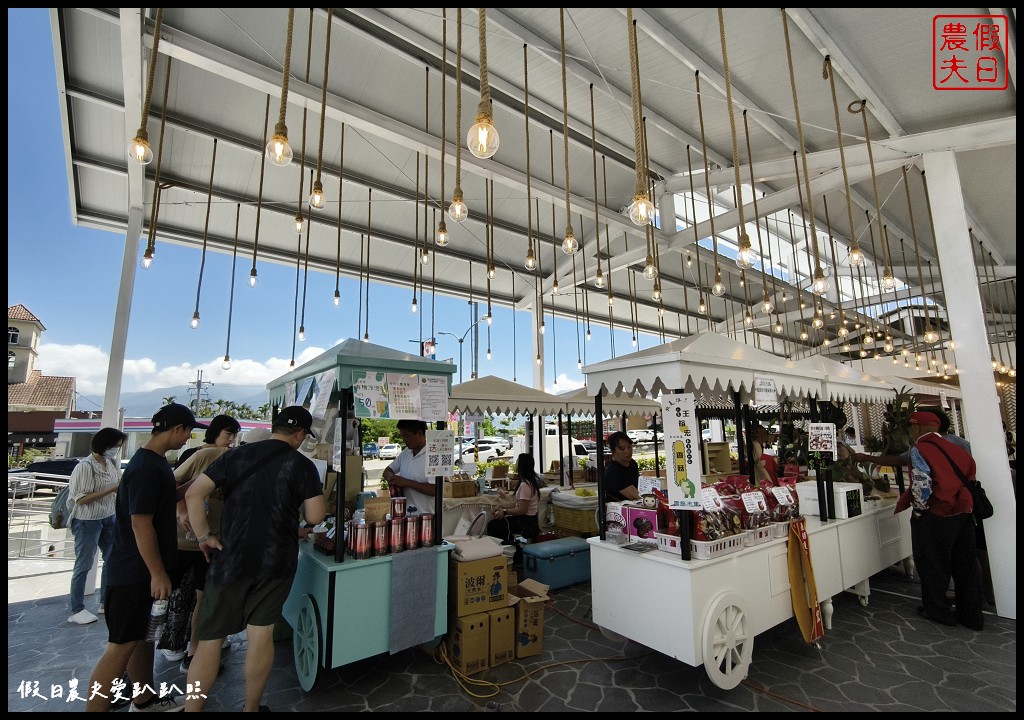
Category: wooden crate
<point>461,489</point>
<point>577,521</point>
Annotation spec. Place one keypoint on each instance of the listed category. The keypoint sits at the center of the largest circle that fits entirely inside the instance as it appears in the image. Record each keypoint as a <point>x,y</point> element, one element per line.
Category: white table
<point>712,609</point>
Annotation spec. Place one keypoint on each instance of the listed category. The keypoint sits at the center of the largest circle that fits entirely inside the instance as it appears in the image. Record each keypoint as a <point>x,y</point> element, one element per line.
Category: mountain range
<point>144,404</point>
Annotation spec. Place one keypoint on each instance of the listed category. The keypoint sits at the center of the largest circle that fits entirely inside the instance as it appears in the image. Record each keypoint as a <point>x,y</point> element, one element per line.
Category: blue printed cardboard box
<point>529,598</point>
<point>477,586</point>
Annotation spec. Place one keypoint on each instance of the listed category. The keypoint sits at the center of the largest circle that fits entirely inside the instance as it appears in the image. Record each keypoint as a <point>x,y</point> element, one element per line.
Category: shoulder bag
<point>983,509</point>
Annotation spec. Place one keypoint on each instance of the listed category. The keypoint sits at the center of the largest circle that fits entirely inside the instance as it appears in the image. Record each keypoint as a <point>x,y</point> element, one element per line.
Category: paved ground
<point>882,657</point>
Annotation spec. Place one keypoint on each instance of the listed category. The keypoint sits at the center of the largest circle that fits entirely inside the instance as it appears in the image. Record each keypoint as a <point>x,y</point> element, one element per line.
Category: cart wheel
<point>728,641</point>
<point>306,643</point>
<point>864,600</point>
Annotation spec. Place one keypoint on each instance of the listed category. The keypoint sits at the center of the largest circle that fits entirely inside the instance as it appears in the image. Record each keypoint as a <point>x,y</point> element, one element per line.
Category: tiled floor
<point>882,657</point>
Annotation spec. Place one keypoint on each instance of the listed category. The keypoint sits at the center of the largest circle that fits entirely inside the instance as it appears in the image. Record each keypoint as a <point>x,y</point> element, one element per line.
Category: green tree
<point>370,429</point>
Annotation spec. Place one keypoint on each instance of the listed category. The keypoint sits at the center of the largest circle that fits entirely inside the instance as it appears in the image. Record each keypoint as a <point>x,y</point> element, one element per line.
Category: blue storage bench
<point>558,563</point>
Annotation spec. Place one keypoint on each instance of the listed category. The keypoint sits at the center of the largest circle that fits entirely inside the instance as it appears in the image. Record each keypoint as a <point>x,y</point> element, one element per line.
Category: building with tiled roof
<point>34,400</point>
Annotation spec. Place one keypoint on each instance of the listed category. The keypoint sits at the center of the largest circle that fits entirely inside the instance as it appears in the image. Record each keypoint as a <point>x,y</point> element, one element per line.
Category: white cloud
<point>564,384</point>
<point>88,365</point>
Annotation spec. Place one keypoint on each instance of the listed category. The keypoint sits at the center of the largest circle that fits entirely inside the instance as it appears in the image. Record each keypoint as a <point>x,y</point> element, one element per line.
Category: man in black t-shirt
<point>144,549</point>
<point>266,485</point>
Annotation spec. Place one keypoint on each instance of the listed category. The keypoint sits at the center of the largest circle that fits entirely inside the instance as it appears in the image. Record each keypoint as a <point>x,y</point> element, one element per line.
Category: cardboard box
<point>641,523</point>
<point>461,488</point>
<point>353,482</point>
<point>528,599</point>
<point>468,642</point>
<point>502,634</point>
<point>477,586</point>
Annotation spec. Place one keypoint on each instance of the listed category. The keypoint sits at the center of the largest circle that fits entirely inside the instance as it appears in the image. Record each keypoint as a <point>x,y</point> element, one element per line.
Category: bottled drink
<point>157,619</point>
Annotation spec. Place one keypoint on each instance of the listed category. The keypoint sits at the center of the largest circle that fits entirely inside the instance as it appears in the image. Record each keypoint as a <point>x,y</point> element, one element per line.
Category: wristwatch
<point>203,539</point>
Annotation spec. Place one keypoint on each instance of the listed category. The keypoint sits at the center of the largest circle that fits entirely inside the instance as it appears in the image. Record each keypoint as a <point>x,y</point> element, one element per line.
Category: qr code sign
<point>969,52</point>
<point>446,460</point>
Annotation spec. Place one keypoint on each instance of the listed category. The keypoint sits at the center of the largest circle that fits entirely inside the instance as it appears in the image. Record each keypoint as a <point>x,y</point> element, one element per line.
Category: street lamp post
<point>461,339</point>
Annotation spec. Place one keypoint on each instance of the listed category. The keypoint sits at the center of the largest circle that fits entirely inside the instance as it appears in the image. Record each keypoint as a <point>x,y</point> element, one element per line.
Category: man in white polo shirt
<point>409,470</point>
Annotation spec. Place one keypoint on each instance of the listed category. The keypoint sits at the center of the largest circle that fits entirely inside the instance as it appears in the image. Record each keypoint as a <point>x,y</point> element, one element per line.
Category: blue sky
<point>68,277</point>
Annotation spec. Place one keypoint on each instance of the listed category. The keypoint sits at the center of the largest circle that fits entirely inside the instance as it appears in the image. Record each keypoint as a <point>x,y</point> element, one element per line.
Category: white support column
<point>119,337</point>
<point>980,400</point>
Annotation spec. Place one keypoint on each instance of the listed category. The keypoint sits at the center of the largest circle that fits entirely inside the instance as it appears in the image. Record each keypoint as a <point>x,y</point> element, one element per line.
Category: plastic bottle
<point>157,619</point>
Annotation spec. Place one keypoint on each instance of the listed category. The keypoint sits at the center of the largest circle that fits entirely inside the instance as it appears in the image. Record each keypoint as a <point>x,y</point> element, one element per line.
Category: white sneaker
<point>173,655</point>
<point>82,617</point>
<point>164,704</point>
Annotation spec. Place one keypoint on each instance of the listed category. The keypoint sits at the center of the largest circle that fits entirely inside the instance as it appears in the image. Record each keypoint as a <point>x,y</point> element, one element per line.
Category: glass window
<point>12,335</point>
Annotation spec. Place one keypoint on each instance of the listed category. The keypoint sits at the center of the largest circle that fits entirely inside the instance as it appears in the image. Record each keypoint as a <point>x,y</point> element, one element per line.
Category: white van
<point>577,449</point>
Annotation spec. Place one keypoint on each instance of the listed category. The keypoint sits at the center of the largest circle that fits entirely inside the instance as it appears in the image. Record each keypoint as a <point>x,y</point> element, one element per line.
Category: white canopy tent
<point>707,364</point>
<point>494,395</point>
<point>843,383</point>
<point>581,402</point>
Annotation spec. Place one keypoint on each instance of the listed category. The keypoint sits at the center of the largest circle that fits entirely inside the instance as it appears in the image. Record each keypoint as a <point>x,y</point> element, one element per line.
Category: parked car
<point>390,451</point>
<point>482,452</point>
<point>45,468</point>
<point>503,442</point>
<point>60,466</point>
<point>371,450</point>
<point>641,436</point>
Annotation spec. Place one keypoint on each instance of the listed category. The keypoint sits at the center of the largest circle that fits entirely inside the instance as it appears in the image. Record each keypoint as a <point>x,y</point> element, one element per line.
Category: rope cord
<point>757,221</point>
<point>917,251</point>
<point>799,301</point>
<point>693,224</point>
<point>281,128</point>
<point>151,75</point>
<point>426,164</point>
<point>634,82</point>
<point>341,190</point>
<point>860,106</point>
<point>607,248</point>
<point>576,307</point>
<point>305,266</point>
<point>231,293</point>
<point>526,120</point>
<point>593,153</point>
<point>741,232</point>
<point>259,199</point>
<point>565,127</point>
<point>444,104</point>
<point>515,342</point>
<point>359,312</point>
<point>554,255</point>
<point>938,329</point>
<point>707,180</point>
<point>457,192</point>
<point>803,146</point>
<point>586,299</point>
<point>938,260</point>
<point>206,226</point>
<point>829,74</point>
<point>835,265</point>
<point>323,93</point>
<point>154,210</point>
<point>295,305</point>
<point>483,110</point>
<point>369,226</point>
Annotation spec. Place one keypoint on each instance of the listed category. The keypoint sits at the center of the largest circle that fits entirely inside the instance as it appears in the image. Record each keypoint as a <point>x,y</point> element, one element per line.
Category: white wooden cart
<point>715,608</point>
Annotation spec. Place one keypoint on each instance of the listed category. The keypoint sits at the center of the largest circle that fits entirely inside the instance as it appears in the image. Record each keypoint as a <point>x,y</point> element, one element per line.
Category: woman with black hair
<point>222,433</point>
<point>91,490</point>
<point>521,519</point>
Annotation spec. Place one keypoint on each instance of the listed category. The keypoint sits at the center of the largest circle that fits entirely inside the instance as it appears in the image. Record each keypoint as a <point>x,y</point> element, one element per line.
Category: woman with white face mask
<point>91,495</point>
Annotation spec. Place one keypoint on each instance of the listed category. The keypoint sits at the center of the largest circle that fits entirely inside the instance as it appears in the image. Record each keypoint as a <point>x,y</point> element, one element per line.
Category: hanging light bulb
<point>542,328</point>
<point>195,320</point>
<point>933,361</point>
<point>895,361</point>
<point>366,336</point>
<point>855,256</point>
<point>785,297</point>
<point>316,198</point>
<point>650,269</point>
<point>661,311</point>
<point>888,281</point>
<point>299,222</point>
<point>778,326</point>
<point>414,306</point>
<point>868,339</point>
<point>803,335</point>
<point>458,211</point>
<point>599,280</point>
<point>579,364</point>
<point>950,345</point>
<point>337,300</point>
<point>278,151</point>
<point>905,352</point>
<point>641,211</point>
<point>826,342</point>
<point>538,358</point>
<point>906,364</point>
<point>689,259</point>
<point>767,306</point>
<point>817,322</point>
<point>489,318</point>
<point>611,301</point>
<point>846,347</point>
<point>147,260</point>
<point>634,341</point>
<point>803,305</point>
<point>831,314</point>
<point>292,363</point>
<point>656,293</point>
<point>488,353</point>
<point>1013,372</point>
<point>995,363</point>
<point>718,289</point>
<point>588,335</point>
<point>930,335</point>
<point>442,234</point>
<point>843,332</point>
<point>554,287</point>
<point>746,256</point>
<point>702,307</point>
<point>569,244</point>
<point>747,318</point>
<point>491,272</point>
<point>227,363</point>
<point>302,333</point>
<point>139,149</point>
<point>743,279</point>
<point>252,278</point>
<point>425,257</point>
<point>917,358</point>
<point>820,285</point>
<point>531,261</point>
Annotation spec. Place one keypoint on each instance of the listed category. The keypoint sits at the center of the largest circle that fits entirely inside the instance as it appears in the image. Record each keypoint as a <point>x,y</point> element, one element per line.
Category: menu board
<point>680,425</point>
<point>821,438</point>
<point>764,390</point>
<point>397,396</point>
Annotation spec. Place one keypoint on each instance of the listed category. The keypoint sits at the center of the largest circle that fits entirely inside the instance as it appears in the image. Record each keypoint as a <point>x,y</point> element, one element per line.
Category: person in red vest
<point>942,525</point>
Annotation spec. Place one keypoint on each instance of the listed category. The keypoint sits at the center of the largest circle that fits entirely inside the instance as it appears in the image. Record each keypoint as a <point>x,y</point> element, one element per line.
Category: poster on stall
<point>764,390</point>
<point>371,394</point>
<point>322,394</point>
<point>403,397</point>
<point>433,398</point>
<point>289,393</point>
<point>821,438</point>
<point>680,425</point>
<point>440,451</point>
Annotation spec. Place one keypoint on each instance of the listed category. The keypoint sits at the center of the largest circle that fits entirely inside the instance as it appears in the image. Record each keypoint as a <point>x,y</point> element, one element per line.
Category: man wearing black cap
<point>942,526</point>
<point>266,485</point>
<point>145,546</point>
